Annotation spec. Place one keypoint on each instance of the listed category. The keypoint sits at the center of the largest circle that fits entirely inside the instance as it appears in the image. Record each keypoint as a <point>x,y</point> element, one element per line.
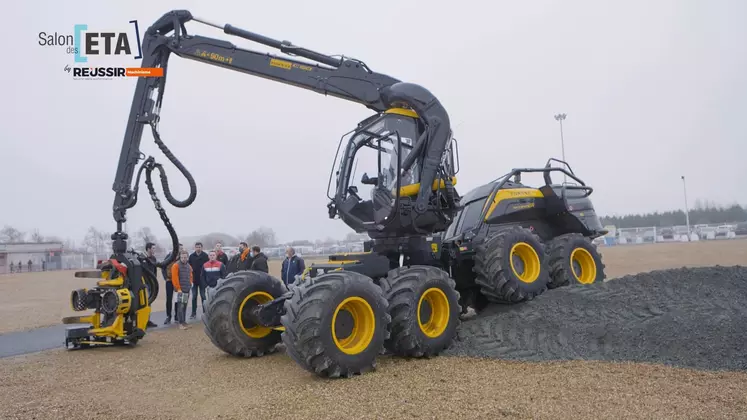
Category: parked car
<point>723,230</point>
<point>667,233</point>
<point>704,232</point>
<point>741,229</point>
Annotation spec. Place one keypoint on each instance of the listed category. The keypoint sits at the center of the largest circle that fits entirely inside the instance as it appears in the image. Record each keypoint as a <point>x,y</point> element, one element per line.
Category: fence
<point>66,261</point>
<point>654,234</point>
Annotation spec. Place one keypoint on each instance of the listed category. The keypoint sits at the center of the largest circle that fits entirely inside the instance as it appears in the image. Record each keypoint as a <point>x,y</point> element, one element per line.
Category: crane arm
<point>341,77</point>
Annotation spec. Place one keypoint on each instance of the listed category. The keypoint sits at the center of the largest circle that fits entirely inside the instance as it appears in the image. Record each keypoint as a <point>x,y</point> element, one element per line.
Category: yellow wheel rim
<point>256,331</point>
<point>363,325</point>
<point>436,311</point>
<point>583,266</point>
<point>527,268</point>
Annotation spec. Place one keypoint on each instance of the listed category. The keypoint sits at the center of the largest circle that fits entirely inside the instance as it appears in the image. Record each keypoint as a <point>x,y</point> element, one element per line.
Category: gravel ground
<point>689,317</point>
<point>176,374</point>
<point>180,375</point>
<point>32,300</point>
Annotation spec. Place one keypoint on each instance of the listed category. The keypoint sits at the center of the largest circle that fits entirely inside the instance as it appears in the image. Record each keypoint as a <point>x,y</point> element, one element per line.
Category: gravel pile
<point>689,317</point>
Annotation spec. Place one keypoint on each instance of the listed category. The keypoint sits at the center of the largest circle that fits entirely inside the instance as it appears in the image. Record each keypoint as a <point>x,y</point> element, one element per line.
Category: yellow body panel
<point>511,193</point>
<point>115,330</point>
<point>93,319</point>
<point>118,282</point>
<point>143,315</point>
<point>343,262</point>
<point>412,189</point>
<point>402,111</point>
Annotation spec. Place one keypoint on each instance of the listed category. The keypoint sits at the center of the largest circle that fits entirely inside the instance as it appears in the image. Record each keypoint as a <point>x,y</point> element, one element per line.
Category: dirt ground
<point>32,300</point>
<point>182,375</point>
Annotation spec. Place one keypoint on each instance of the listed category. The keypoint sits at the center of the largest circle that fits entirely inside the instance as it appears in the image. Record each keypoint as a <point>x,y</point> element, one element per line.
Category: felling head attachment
<point>116,301</point>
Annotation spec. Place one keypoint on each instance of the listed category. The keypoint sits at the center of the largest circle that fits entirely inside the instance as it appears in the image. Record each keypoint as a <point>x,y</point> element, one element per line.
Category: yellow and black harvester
<point>395,177</point>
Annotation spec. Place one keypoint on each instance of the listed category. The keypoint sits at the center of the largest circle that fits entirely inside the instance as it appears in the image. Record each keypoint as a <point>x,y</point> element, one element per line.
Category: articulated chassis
<point>389,253</point>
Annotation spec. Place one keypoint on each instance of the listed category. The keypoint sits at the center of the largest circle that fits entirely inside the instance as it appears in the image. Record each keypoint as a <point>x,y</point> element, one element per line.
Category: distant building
<point>48,252</point>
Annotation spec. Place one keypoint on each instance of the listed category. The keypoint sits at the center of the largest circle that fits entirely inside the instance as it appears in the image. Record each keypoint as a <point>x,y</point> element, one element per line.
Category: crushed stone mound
<point>688,317</point>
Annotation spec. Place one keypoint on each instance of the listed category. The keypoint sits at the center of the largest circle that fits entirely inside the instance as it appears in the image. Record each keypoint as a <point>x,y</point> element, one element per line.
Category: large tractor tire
<point>227,307</point>
<point>424,307</point>
<point>574,259</point>
<point>511,266</point>
<point>336,324</point>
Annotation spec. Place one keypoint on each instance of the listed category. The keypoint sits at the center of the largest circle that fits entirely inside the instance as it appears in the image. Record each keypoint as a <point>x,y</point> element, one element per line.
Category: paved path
<point>46,338</point>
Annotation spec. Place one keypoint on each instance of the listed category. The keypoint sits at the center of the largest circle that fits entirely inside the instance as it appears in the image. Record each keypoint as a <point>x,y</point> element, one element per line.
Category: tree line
<point>704,212</point>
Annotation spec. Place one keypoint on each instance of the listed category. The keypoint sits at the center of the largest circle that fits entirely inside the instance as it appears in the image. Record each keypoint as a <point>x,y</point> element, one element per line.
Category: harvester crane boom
<point>344,78</point>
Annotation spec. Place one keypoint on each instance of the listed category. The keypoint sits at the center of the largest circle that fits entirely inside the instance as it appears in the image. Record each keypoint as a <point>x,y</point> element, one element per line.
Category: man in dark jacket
<point>150,254</point>
<point>197,260</point>
<point>220,255</point>
<point>242,260</point>
<point>293,265</point>
<point>213,270</point>
<point>166,271</point>
<point>259,260</point>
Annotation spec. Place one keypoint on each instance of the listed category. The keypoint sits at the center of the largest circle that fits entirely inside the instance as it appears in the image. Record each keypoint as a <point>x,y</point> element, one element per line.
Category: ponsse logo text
<point>111,72</point>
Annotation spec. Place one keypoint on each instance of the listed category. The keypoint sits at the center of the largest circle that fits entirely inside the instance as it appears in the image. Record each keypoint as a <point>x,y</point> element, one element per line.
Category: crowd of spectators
<point>192,273</point>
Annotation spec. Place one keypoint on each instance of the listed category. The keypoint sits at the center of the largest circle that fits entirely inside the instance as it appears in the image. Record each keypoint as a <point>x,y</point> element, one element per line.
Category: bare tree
<point>36,236</point>
<point>97,241</point>
<point>67,244</point>
<point>209,240</point>
<point>263,236</point>
<point>9,234</point>
<point>142,237</point>
<point>55,239</point>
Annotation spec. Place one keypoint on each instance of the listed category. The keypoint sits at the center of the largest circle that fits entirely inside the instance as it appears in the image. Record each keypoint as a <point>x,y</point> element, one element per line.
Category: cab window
<point>470,216</point>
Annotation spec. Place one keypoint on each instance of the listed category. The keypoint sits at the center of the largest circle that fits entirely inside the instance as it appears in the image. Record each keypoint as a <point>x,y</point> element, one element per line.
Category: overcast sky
<point>653,90</point>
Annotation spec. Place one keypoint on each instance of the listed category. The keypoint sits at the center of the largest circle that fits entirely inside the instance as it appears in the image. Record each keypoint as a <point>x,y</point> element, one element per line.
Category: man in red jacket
<point>213,270</point>
<point>220,255</point>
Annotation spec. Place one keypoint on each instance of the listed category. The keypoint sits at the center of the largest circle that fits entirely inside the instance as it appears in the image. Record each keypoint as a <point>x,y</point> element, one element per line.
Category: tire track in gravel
<point>688,317</point>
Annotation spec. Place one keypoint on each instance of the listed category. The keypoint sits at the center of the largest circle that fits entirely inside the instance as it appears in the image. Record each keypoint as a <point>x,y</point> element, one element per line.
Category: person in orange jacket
<point>182,279</point>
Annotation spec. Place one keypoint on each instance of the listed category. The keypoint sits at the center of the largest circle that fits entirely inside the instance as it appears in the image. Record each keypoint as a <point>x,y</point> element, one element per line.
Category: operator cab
<point>377,183</point>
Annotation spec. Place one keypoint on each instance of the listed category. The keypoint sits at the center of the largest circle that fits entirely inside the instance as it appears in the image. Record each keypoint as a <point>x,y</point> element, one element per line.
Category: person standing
<point>242,260</point>
<point>150,253</point>
<point>197,260</point>
<point>150,256</point>
<point>220,255</point>
<point>213,270</point>
<point>259,260</point>
<point>166,271</point>
<point>293,265</point>
<point>182,278</point>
